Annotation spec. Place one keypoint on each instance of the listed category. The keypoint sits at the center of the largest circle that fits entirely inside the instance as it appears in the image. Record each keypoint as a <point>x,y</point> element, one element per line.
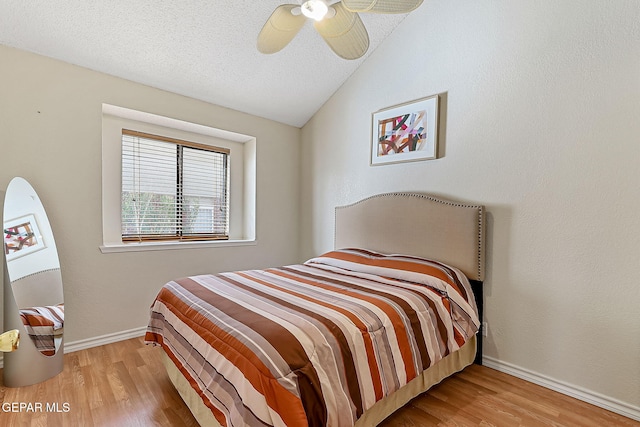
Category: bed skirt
<point>449,365</point>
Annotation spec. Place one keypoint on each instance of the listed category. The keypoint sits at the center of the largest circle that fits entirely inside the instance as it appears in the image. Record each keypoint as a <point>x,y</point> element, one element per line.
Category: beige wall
<point>50,134</point>
<point>542,105</point>
<point>541,125</point>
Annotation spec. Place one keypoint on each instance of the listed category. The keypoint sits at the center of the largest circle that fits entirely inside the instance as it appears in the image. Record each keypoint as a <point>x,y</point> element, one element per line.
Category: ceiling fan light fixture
<point>337,22</point>
<point>314,9</point>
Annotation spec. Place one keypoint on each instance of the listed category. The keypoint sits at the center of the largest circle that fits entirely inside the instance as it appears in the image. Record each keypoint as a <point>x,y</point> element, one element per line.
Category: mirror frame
<point>38,266</point>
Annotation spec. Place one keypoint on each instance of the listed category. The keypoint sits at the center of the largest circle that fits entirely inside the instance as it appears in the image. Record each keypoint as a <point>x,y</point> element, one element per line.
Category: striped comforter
<point>312,344</point>
<point>42,325</point>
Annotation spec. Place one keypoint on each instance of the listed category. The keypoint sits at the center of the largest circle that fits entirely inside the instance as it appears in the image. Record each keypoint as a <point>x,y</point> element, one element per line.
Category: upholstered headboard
<point>416,224</point>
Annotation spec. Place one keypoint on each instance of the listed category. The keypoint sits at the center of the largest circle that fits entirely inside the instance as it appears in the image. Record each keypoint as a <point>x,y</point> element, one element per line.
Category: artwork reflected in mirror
<point>33,267</point>
<point>21,237</point>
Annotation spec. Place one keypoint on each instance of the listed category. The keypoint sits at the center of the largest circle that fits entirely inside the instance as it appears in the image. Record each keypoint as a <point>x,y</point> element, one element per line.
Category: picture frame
<point>406,132</point>
<point>21,237</point>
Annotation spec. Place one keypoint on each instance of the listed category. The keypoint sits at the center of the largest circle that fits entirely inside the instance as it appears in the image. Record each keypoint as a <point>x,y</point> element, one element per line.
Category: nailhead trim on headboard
<point>35,274</point>
<point>479,208</point>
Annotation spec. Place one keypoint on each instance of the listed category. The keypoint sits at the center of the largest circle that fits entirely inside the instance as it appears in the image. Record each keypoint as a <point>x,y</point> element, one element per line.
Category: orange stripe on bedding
<point>398,325</point>
<point>396,321</point>
<point>218,415</point>
<point>240,356</point>
<point>35,320</point>
<point>373,366</point>
<point>389,261</point>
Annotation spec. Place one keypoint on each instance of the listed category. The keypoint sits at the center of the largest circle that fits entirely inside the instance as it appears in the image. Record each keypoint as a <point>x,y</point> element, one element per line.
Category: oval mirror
<point>33,267</point>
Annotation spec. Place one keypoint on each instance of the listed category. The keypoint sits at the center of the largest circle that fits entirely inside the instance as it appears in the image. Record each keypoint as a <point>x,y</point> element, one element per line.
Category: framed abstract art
<point>405,132</point>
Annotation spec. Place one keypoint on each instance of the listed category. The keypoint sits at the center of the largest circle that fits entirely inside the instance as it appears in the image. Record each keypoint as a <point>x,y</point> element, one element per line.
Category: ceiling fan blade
<point>344,33</point>
<point>381,6</point>
<point>281,27</point>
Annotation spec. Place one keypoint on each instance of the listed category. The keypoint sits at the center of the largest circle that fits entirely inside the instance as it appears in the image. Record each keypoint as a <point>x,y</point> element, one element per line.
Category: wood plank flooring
<point>124,384</point>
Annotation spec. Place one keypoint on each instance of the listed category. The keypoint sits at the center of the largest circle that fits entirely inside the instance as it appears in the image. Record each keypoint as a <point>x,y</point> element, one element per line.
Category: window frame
<point>181,144</point>
<point>243,180</point>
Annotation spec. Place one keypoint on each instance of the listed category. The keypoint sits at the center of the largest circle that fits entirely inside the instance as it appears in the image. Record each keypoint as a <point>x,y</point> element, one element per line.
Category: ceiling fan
<point>338,23</point>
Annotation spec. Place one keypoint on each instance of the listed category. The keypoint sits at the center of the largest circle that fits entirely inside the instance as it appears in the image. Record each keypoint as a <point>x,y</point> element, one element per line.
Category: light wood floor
<point>124,384</point>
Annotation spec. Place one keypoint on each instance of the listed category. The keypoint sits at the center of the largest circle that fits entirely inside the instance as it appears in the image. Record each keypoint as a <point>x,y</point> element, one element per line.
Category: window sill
<point>163,246</point>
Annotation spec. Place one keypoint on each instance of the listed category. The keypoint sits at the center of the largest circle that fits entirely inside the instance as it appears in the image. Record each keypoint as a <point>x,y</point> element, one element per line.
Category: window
<point>241,178</point>
<point>173,189</point>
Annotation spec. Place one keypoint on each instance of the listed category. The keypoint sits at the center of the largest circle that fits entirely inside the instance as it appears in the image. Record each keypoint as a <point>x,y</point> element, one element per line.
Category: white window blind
<point>173,189</point>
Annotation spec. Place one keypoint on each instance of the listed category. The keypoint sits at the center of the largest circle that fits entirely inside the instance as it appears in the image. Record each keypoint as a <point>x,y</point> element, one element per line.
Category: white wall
<point>51,134</point>
<point>541,107</point>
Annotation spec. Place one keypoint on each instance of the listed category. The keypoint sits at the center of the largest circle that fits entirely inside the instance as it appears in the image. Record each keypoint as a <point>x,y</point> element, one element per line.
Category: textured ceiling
<point>202,49</point>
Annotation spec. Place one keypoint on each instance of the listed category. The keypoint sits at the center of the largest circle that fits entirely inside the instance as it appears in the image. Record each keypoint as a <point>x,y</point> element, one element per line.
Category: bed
<point>343,339</point>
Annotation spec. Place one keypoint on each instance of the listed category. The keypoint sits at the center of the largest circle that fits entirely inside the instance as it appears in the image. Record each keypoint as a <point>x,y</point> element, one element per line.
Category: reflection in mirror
<point>33,267</point>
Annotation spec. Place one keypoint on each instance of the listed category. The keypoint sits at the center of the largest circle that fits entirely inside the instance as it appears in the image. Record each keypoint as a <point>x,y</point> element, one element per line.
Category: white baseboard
<point>104,339</point>
<point>98,341</point>
<point>579,393</point>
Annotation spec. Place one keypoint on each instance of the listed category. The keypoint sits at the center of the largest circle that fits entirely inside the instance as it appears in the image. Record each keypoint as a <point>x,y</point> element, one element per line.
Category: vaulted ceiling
<point>202,49</point>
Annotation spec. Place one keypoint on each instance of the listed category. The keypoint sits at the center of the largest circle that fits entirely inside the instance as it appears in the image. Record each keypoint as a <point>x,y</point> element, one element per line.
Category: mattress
<point>319,343</point>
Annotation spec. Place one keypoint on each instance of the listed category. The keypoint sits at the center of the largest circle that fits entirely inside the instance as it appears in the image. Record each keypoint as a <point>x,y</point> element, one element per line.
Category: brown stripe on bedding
<point>455,281</point>
<point>363,327</point>
<point>343,347</point>
<point>336,284</point>
<point>426,294</point>
<point>232,348</point>
<point>280,338</point>
<point>408,263</point>
<point>386,302</point>
<point>174,347</point>
<point>457,336</point>
<point>368,323</point>
<point>255,343</point>
<point>213,386</point>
